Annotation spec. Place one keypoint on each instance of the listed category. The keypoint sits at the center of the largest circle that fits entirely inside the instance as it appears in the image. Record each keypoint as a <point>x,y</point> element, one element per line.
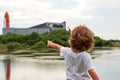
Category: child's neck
<point>75,51</point>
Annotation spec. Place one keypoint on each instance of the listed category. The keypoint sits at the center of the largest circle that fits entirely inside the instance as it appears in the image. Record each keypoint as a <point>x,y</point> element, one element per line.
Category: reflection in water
<point>107,66</point>
<point>7,68</point>
<point>31,69</point>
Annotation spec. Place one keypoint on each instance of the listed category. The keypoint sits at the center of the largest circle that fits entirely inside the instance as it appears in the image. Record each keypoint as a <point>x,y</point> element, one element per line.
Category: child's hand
<point>53,45</point>
<point>49,43</point>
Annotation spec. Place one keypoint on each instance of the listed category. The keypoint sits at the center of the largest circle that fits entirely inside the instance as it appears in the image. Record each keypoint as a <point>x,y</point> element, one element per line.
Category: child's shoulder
<point>85,54</point>
<point>66,48</point>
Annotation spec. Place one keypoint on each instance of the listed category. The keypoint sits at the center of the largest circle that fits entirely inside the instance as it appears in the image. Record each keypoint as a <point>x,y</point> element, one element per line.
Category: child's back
<point>78,61</point>
<point>77,64</point>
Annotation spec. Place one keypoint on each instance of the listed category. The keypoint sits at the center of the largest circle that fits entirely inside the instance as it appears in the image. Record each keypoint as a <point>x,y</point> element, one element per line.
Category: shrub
<point>39,45</point>
<point>13,46</point>
<point>2,48</point>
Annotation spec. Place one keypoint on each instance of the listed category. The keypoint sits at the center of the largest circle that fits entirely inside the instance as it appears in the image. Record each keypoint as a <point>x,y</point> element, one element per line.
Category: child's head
<point>81,38</point>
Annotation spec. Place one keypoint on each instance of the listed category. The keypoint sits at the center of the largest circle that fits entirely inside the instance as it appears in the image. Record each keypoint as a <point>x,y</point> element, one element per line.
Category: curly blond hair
<point>81,38</point>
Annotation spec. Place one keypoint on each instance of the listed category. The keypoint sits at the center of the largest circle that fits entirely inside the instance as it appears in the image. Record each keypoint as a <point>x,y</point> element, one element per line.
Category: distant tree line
<point>37,41</point>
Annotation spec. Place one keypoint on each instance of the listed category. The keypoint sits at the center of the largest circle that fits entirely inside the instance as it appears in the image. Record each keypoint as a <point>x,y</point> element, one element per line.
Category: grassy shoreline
<point>48,54</point>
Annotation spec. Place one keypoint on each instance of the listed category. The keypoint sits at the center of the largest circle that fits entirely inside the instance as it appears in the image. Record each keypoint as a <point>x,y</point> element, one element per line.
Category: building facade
<point>41,28</point>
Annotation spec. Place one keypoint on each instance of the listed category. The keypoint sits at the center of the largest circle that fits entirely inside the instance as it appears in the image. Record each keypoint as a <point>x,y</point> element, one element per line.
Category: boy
<point>78,62</point>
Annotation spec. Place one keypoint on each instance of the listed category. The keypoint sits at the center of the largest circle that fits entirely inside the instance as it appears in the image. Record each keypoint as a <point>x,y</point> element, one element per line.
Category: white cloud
<point>26,13</point>
<point>35,11</point>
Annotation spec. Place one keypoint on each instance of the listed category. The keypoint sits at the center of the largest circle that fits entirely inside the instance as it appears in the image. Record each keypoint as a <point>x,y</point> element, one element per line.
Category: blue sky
<point>101,16</point>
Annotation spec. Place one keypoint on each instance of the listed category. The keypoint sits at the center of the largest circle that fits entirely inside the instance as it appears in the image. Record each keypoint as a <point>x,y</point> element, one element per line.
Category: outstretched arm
<point>93,74</point>
<point>54,45</point>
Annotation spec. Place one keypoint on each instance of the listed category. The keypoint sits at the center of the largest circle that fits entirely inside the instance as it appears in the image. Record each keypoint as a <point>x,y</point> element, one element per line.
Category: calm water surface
<point>11,68</point>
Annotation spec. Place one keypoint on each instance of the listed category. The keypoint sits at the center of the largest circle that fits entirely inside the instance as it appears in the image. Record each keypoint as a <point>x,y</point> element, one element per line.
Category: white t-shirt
<point>77,65</point>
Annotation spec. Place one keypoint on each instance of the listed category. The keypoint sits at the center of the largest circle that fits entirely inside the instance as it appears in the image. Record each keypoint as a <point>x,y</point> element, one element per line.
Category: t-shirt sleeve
<point>88,63</point>
<point>63,51</point>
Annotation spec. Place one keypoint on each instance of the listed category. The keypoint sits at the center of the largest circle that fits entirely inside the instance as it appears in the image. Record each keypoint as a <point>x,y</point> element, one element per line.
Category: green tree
<point>31,39</point>
<point>2,48</point>
<point>13,46</point>
<point>39,45</point>
<point>58,40</point>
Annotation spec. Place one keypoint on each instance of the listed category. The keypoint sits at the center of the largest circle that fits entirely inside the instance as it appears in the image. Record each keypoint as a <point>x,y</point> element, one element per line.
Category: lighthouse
<point>7,21</point>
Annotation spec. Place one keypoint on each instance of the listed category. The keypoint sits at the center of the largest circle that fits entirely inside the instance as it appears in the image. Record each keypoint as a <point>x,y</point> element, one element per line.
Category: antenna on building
<point>6,20</point>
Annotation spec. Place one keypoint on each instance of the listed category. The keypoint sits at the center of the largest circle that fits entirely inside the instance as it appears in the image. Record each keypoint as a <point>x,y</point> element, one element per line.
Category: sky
<point>101,16</point>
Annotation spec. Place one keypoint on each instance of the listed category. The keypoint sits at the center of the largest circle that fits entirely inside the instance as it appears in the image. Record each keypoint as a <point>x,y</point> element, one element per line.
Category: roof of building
<point>49,24</point>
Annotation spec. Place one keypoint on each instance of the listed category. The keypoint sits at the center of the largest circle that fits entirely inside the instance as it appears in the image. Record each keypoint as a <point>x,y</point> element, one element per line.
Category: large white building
<point>41,28</point>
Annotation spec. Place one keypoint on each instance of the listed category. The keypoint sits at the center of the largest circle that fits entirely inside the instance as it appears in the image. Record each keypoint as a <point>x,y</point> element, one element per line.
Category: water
<point>30,69</point>
<point>107,66</point>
